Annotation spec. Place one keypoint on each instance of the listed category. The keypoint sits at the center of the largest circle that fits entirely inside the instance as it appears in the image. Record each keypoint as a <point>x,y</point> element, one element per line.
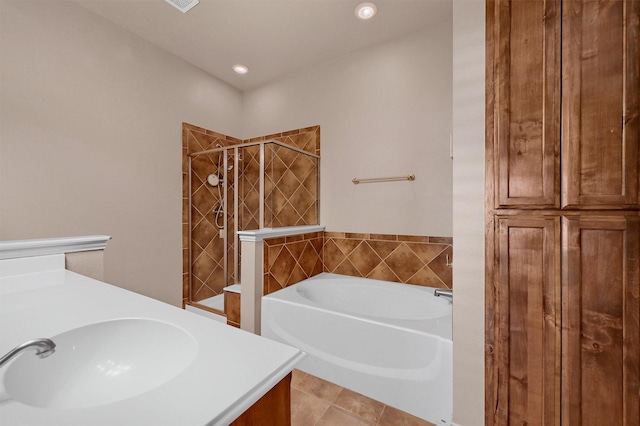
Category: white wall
<point>383,111</point>
<point>468,210</point>
<point>90,138</point>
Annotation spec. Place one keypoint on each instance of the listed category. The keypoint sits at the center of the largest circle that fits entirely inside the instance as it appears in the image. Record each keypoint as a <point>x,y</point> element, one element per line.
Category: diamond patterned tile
<point>288,216</point>
<point>440,268</point>
<point>310,217</point>
<point>346,268</point>
<point>311,184</point>
<point>203,232</point>
<point>318,244</point>
<point>404,262</point>
<point>196,250</point>
<point>288,184</point>
<point>384,273</point>
<point>364,258</point>
<point>293,201</point>
<point>308,258</point>
<point>426,277</point>
<point>272,254</point>
<point>215,281</point>
<point>317,268</point>
<point>296,249</point>
<point>196,285</point>
<point>193,145</point>
<point>286,155</point>
<point>302,167</point>
<point>333,256</point>
<point>203,266</point>
<point>279,201</point>
<point>204,199</point>
<point>282,267</point>
<point>297,275</point>
<point>426,252</point>
<point>277,168</point>
<point>301,200</point>
<point>383,248</point>
<point>202,292</point>
<point>346,246</point>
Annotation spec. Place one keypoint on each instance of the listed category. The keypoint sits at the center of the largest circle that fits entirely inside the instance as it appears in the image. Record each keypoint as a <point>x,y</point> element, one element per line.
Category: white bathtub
<point>389,341</point>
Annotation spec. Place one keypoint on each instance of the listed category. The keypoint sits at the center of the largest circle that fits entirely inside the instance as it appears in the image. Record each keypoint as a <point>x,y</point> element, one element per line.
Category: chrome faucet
<point>443,292</point>
<point>43,347</point>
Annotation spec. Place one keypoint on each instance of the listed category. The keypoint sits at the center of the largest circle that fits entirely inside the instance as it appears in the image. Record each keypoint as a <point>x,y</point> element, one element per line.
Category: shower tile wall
<point>419,260</point>
<point>207,245</point>
<point>291,194</point>
<point>291,181</point>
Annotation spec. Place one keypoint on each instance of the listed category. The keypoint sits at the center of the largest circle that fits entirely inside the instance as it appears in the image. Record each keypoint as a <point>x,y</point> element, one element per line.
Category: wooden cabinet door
<point>600,103</point>
<point>524,45</point>
<point>600,329</point>
<point>523,361</point>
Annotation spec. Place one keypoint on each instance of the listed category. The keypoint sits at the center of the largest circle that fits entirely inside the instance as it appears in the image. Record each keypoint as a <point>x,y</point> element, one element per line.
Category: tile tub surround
<point>291,199</point>
<point>289,260</point>
<point>419,260</point>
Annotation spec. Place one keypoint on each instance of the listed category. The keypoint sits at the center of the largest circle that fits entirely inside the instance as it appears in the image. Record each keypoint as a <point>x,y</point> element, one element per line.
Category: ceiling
<point>273,38</point>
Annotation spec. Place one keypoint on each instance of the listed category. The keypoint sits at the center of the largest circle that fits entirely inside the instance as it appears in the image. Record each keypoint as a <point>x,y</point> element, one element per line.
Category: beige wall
<point>87,263</point>
<point>90,138</point>
<point>468,211</point>
<point>383,111</point>
<point>90,131</point>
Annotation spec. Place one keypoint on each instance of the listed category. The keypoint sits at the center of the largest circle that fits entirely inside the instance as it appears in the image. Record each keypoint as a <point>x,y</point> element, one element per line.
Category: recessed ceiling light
<point>366,10</point>
<point>240,69</point>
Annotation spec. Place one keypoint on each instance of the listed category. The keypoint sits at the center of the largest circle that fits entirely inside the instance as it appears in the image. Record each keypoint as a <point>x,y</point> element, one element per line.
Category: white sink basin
<point>100,364</point>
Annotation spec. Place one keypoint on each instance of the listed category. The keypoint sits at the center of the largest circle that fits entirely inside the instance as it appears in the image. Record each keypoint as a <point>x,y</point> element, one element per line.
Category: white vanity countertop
<point>231,370</point>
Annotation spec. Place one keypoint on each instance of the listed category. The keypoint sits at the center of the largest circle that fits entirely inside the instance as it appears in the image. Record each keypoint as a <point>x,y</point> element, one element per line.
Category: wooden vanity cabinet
<point>562,212</point>
<point>273,409</point>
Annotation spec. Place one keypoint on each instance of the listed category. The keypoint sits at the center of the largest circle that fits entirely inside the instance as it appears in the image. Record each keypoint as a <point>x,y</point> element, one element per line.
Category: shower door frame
<point>236,175</point>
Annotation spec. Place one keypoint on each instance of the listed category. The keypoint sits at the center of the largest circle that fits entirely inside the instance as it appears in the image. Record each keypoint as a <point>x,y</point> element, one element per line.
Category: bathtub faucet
<point>443,292</point>
<point>43,347</point>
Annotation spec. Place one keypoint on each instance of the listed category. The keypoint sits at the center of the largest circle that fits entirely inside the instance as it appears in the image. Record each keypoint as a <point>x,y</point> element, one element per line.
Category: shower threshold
<point>215,302</point>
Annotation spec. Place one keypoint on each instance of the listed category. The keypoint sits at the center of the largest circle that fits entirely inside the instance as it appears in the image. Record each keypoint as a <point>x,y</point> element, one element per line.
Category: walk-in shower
<point>244,186</point>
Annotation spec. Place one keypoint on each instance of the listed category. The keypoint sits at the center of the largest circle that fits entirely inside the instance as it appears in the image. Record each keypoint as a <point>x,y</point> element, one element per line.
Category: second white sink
<point>101,363</point>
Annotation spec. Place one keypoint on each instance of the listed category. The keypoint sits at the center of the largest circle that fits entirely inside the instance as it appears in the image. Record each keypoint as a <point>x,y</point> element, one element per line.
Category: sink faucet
<point>43,347</point>
<point>443,292</point>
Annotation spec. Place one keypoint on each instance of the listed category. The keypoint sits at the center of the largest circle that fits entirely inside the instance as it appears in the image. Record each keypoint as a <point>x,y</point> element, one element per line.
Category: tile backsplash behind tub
<point>419,260</point>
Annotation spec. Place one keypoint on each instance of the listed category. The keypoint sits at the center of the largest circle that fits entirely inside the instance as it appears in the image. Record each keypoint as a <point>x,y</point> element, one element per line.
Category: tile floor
<point>316,402</point>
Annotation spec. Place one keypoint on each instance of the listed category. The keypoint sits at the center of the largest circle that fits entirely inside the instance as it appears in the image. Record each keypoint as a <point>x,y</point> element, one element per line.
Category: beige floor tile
<point>394,417</point>
<point>296,377</point>
<point>337,417</point>
<point>306,409</point>
<point>359,405</point>
<point>319,387</point>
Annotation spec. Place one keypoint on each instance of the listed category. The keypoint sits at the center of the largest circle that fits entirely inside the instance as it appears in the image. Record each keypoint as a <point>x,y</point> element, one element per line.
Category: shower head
<point>213,179</point>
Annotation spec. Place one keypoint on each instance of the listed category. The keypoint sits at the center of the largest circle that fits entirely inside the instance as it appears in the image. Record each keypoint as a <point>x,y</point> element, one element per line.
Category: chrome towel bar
<point>384,179</point>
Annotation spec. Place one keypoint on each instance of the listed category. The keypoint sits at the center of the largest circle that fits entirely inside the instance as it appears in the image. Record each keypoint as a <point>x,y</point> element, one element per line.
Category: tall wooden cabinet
<point>562,212</point>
